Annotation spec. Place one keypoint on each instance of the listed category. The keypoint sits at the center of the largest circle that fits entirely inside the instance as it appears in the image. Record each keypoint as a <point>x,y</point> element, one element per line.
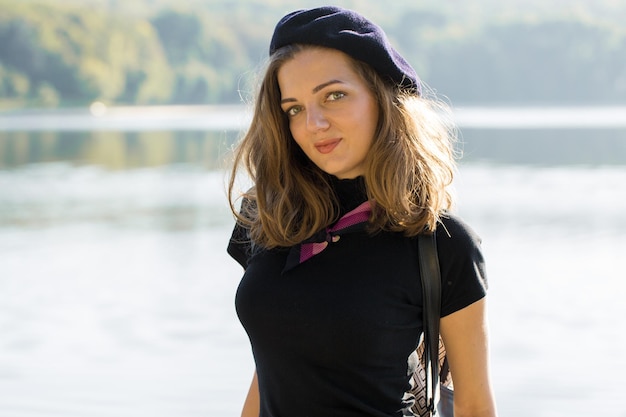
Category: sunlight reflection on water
<point>116,294</point>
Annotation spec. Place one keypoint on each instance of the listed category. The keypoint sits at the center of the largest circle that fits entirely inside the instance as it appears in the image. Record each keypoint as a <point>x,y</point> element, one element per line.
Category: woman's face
<point>332,113</point>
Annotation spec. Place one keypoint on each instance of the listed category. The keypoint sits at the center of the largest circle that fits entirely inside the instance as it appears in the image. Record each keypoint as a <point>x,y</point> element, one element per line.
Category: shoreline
<point>99,117</point>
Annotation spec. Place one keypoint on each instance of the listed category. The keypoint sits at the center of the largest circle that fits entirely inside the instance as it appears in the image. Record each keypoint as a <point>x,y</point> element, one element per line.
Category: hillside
<point>74,52</point>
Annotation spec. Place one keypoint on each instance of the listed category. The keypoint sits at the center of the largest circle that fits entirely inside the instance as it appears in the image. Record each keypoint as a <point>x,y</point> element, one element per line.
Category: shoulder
<point>462,265</point>
<point>454,233</point>
<point>240,245</point>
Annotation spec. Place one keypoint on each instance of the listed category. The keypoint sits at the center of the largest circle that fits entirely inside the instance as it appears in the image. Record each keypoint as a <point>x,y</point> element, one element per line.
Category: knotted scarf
<point>352,221</point>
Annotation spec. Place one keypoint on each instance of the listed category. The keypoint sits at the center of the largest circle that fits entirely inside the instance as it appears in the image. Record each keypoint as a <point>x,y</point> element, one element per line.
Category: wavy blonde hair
<point>409,168</point>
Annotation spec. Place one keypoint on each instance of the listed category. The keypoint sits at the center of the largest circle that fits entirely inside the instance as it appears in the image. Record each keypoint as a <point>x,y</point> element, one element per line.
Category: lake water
<point>116,293</point>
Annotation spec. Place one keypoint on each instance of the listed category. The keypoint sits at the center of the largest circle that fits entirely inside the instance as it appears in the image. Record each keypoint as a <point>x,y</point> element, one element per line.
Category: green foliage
<point>203,54</point>
<point>73,52</point>
<point>80,56</point>
<point>560,61</point>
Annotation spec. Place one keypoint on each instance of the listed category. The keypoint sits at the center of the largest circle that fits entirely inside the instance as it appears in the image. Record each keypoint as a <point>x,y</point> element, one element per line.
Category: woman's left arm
<point>464,334</point>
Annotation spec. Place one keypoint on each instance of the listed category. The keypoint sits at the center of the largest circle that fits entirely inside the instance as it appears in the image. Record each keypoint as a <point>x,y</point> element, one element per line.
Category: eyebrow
<point>315,89</point>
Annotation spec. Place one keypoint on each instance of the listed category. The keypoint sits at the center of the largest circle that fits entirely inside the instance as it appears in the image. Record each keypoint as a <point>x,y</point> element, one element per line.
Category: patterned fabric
<point>352,221</point>
<point>418,380</point>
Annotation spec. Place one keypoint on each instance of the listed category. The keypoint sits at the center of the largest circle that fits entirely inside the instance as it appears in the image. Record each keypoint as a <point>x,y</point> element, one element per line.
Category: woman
<point>349,162</point>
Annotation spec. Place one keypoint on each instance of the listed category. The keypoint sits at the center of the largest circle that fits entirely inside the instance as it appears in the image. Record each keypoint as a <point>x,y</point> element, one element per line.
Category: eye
<point>293,110</point>
<point>335,95</point>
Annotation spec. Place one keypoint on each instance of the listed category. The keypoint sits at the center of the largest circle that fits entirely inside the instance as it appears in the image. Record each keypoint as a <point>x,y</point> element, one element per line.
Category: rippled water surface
<point>116,294</point>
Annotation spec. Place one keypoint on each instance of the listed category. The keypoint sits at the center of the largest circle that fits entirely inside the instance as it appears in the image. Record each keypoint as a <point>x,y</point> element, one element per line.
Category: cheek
<point>297,134</point>
<point>373,123</point>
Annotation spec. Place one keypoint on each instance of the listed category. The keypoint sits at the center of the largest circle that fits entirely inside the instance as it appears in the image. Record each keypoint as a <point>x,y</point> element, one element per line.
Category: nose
<point>316,119</point>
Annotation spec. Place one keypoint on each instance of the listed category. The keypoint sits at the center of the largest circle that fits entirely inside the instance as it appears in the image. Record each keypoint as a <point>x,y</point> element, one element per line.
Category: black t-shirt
<point>332,336</point>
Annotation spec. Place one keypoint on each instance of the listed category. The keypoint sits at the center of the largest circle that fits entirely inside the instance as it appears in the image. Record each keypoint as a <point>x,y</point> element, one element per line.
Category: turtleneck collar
<point>350,192</point>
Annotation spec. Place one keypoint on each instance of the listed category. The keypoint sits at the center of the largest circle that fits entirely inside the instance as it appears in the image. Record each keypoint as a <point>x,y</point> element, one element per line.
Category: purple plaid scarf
<point>349,222</point>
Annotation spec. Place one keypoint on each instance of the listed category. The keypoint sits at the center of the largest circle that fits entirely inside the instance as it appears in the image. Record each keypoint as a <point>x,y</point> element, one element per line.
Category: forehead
<point>313,66</point>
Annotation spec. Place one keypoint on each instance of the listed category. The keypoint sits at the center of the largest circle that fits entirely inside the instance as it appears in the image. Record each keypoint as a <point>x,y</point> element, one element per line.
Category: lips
<point>327,145</point>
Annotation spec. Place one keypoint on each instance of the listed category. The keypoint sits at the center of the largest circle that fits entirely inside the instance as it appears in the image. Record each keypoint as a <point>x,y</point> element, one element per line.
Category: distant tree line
<point>68,54</point>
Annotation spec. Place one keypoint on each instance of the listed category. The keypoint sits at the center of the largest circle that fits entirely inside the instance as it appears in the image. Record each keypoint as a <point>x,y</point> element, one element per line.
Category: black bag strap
<point>431,288</point>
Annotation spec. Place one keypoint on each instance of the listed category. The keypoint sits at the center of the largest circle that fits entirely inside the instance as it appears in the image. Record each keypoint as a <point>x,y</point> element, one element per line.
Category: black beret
<point>348,32</point>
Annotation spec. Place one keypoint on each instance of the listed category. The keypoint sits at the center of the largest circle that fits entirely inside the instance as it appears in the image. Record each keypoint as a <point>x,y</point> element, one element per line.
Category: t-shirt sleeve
<point>463,274</point>
<point>239,246</point>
